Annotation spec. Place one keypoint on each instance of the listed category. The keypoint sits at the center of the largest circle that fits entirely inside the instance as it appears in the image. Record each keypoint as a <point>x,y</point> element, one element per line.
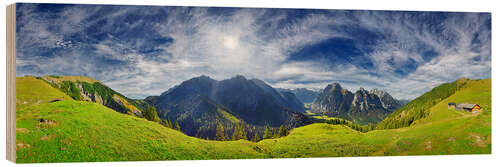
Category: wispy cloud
<point>143,51</point>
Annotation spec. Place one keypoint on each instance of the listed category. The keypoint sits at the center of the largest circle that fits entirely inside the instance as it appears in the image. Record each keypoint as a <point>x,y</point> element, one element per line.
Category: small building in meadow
<point>452,105</point>
<point>474,108</point>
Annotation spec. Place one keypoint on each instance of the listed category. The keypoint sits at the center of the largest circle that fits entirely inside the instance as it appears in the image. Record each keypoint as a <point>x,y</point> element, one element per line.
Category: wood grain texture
<point>11,82</point>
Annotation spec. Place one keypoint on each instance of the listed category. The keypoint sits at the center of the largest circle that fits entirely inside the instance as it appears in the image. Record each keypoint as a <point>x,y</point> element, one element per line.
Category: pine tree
<point>219,135</point>
<point>243,132</point>
<point>169,123</point>
<point>256,137</point>
<point>236,131</point>
<point>275,133</point>
<point>267,133</point>
<point>239,132</point>
<point>177,126</point>
<point>151,114</point>
<point>282,131</point>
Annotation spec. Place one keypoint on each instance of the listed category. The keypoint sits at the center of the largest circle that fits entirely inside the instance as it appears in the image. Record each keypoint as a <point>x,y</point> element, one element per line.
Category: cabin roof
<point>465,105</point>
<point>452,103</point>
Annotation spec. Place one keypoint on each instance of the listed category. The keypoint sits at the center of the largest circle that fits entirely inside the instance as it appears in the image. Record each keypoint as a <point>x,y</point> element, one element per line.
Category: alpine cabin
<point>452,105</point>
<point>474,108</point>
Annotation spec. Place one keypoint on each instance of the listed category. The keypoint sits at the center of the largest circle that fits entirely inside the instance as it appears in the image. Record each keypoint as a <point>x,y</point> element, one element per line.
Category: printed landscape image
<point>134,83</point>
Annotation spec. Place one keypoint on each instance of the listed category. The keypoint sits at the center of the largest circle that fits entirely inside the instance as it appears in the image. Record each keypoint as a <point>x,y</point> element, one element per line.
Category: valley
<point>73,129</point>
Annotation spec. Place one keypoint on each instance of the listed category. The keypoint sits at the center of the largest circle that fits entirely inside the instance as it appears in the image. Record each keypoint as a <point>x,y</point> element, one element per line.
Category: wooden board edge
<point>11,82</point>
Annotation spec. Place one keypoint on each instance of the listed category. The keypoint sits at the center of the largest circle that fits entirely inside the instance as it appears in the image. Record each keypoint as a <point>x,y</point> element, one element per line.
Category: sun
<point>230,42</point>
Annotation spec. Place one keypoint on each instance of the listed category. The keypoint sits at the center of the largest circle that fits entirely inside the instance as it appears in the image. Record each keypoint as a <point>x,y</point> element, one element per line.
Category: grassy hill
<point>69,130</point>
<point>88,89</point>
<point>30,90</point>
<point>72,130</point>
<point>443,131</point>
<point>419,108</point>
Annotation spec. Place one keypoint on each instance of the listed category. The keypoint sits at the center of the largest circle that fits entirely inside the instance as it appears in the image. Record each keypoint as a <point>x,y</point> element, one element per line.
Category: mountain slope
<point>388,102</point>
<point>445,131</point>
<point>287,99</point>
<point>88,89</point>
<point>303,94</point>
<point>252,101</point>
<point>419,108</point>
<point>31,90</point>
<point>366,108</point>
<point>76,131</point>
<point>92,132</point>
<point>333,101</point>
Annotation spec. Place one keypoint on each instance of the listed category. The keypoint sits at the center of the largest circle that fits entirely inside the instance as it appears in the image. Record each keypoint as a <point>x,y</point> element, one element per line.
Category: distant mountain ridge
<point>237,100</point>
<point>362,107</point>
<point>303,94</point>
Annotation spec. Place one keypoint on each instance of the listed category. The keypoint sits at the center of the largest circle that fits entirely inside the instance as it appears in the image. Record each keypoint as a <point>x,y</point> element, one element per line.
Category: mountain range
<point>201,103</point>
<point>362,106</point>
<point>59,123</point>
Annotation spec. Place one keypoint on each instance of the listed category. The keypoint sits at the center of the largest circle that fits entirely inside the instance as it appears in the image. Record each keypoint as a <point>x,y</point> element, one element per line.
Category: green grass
<point>30,90</point>
<point>84,131</point>
<point>419,108</point>
<point>59,79</point>
<point>228,116</point>
<point>309,113</point>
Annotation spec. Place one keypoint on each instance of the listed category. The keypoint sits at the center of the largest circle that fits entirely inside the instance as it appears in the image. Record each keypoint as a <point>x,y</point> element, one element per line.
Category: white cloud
<point>251,43</point>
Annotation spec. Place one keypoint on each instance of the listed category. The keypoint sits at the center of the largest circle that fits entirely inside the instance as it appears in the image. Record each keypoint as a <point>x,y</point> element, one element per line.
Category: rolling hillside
<point>420,107</point>
<point>30,91</point>
<point>69,131</point>
<point>72,130</point>
<point>88,89</point>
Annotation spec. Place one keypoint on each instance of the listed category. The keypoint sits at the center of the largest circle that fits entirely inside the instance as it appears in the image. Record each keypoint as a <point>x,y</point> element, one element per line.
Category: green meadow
<point>75,131</point>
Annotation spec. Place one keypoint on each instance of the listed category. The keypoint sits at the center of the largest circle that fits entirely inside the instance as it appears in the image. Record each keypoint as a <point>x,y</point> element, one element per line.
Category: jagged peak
<point>378,92</point>
<point>334,86</point>
<point>362,90</point>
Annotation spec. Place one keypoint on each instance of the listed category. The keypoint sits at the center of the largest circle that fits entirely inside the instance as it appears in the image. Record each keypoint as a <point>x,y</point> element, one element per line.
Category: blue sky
<point>144,50</point>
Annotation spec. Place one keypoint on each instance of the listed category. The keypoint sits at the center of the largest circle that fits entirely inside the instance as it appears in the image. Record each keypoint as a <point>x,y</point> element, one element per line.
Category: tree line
<point>240,133</point>
<point>419,108</point>
<point>340,121</point>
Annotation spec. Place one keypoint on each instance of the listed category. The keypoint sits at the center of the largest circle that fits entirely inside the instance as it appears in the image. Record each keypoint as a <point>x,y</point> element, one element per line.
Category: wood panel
<point>11,82</point>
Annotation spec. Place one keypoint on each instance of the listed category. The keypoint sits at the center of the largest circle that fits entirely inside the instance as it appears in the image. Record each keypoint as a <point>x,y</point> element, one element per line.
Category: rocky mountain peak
<point>363,106</point>
<point>378,92</point>
<point>335,87</point>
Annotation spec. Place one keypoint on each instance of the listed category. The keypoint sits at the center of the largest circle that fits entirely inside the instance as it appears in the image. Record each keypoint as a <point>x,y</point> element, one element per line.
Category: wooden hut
<point>452,105</point>
<point>469,107</point>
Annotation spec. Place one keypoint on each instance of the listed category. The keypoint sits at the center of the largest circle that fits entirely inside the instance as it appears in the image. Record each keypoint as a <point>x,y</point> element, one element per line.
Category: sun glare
<point>230,42</point>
